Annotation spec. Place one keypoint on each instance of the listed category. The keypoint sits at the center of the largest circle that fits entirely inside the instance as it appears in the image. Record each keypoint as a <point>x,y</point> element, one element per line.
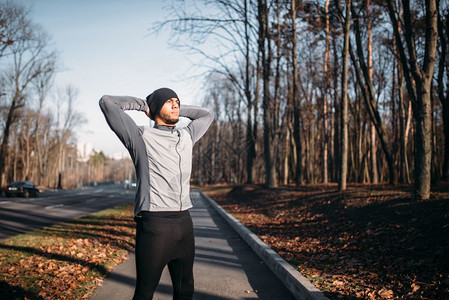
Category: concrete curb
<point>298,285</point>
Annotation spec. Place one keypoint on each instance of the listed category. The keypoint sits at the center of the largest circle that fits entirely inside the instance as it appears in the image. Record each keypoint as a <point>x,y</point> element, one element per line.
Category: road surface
<point>19,215</point>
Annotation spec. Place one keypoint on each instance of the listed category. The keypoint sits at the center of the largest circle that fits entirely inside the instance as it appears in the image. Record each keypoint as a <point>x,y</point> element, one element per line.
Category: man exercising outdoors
<point>162,157</point>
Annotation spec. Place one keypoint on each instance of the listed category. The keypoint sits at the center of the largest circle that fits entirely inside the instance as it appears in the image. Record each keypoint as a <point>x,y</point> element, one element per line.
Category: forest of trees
<point>38,119</point>
<point>304,92</point>
<point>321,91</point>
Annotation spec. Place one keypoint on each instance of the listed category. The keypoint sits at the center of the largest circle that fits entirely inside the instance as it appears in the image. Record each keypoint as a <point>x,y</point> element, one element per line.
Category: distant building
<point>84,150</point>
<point>120,155</point>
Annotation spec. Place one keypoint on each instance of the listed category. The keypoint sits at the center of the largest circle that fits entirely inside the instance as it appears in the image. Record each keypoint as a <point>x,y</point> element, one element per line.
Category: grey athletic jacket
<point>162,156</point>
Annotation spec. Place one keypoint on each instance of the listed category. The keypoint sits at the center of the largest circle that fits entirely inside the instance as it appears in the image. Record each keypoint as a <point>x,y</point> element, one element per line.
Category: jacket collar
<point>165,127</point>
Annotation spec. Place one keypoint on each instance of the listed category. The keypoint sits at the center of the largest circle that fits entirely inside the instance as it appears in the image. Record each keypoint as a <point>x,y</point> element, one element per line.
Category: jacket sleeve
<point>201,119</point>
<point>113,108</point>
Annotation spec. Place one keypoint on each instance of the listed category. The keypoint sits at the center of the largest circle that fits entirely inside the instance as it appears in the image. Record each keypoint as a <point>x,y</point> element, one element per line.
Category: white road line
<point>54,206</point>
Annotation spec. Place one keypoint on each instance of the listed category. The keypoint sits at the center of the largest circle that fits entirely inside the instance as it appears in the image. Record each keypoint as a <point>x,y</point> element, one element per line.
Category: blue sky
<point>105,47</point>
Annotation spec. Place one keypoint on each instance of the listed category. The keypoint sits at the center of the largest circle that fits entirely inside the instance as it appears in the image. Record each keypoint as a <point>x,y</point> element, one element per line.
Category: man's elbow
<point>104,98</point>
<point>104,101</point>
<point>211,113</point>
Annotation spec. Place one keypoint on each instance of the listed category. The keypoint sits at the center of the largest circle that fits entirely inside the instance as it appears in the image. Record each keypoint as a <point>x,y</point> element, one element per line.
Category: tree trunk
<point>6,131</point>
<point>270,172</point>
<point>344,102</point>
<point>286,156</point>
<point>15,158</point>
<point>403,121</point>
<point>335,124</point>
<point>374,171</point>
<point>408,126</point>
<point>296,100</point>
<point>325,92</point>
<point>215,153</point>
<point>443,93</point>
<point>256,105</point>
<point>403,178</point>
<point>250,138</point>
<point>423,145</point>
<point>445,175</point>
<point>373,151</point>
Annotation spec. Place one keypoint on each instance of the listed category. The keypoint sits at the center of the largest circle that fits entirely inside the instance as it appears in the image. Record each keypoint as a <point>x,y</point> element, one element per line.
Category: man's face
<point>169,113</point>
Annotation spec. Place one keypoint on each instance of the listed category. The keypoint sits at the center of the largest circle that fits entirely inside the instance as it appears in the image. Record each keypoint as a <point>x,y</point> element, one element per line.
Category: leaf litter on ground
<point>368,242</point>
<point>66,260</point>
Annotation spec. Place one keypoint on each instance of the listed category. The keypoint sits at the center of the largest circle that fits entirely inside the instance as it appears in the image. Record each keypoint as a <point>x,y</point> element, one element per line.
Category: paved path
<point>225,266</point>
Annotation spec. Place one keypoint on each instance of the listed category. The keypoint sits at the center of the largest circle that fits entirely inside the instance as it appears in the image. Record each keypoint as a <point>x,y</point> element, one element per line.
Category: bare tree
<point>418,77</point>
<point>13,18</point>
<point>370,101</point>
<point>67,118</point>
<point>296,100</point>
<point>325,150</point>
<point>29,57</point>
<point>443,82</point>
<point>266,59</point>
<point>344,101</point>
<point>43,83</point>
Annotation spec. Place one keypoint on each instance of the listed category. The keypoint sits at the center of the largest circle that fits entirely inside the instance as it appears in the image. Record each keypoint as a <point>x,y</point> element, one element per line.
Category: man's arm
<point>201,119</point>
<point>113,108</point>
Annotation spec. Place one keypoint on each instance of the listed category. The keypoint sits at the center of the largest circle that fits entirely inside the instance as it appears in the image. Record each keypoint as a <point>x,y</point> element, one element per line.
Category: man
<point>162,157</point>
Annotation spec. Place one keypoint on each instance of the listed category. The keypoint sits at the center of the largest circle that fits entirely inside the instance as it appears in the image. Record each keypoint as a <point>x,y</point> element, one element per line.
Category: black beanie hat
<point>157,99</point>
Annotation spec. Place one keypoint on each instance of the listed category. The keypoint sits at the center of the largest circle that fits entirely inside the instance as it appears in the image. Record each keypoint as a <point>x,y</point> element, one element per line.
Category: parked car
<point>21,188</point>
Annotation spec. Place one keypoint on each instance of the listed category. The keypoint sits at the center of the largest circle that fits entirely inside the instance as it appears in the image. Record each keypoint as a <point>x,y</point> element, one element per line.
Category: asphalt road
<point>19,215</point>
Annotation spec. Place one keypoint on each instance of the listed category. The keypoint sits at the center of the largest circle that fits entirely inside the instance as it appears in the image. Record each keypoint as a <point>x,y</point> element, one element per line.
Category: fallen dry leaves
<point>369,242</point>
<point>67,260</point>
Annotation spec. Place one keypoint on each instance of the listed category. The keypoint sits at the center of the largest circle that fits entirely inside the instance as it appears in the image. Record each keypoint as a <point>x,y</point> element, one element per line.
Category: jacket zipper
<point>180,170</point>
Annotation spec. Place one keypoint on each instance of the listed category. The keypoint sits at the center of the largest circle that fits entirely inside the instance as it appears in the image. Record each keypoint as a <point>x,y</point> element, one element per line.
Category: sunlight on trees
<point>284,68</point>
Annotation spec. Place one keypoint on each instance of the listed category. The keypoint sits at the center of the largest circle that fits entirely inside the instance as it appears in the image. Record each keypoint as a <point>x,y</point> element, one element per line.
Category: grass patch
<point>66,260</point>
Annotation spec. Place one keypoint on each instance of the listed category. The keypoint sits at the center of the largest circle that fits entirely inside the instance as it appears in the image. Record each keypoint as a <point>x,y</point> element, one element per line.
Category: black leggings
<point>164,238</point>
